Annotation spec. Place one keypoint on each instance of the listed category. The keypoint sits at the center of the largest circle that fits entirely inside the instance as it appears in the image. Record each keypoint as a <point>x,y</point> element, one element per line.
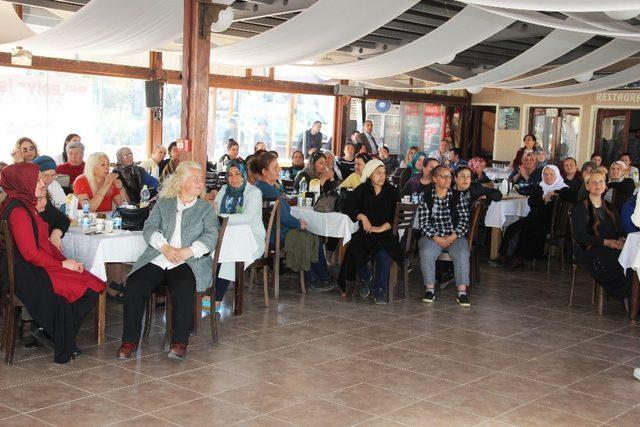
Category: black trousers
<point>140,286</point>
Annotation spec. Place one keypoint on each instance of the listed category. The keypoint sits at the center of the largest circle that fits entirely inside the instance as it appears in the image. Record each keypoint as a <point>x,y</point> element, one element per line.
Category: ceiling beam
<point>247,11</point>
<point>71,6</point>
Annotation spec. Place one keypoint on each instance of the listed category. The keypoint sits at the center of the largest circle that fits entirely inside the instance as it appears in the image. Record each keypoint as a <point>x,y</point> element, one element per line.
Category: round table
<point>327,224</point>
<point>501,214</point>
<point>496,173</point>
<point>630,258</point>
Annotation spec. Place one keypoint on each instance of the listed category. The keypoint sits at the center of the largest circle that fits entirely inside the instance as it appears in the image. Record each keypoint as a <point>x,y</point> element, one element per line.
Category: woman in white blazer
<point>241,202</point>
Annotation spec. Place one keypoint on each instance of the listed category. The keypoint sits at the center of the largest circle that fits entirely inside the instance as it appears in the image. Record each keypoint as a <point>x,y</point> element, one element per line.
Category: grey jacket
<point>199,223</point>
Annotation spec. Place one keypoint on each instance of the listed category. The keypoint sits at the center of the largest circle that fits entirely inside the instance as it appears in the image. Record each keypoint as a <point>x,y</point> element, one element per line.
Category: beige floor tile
<point>445,368</point>
<point>263,421</point>
<point>90,411</point>
<point>621,341</point>
<point>144,421</point>
<point>593,349</point>
<point>23,421</point>
<point>209,380</point>
<point>532,415</point>
<point>353,368</point>
<point>318,412</point>
<point>103,379</point>
<point>427,413</point>
<point>432,346</point>
<point>383,333</point>
<point>394,356</point>
<point>36,395</point>
<point>151,396</point>
<point>335,323</point>
<point>544,339</point>
<point>159,365</point>
<point>476,401</point>
<point>305,354</point>
<point>486,358</point>
<point>462,336</point>
<point>314,381</point>
<point>371,399</point>
<point>511,386</point>
<point>219,353</point>
<point>379,422</point>
<point>617,384</point>
<point>519,349</point>
<point>583,405</point>
<point>346,344</point>
<point>260,367</point>
<point>628,419</point>
<point>206,412</point>
<point>260,341</point>
<point>262,397</point>
<point>7,412</point>
<point>416,385</point>
<point>14,375</point>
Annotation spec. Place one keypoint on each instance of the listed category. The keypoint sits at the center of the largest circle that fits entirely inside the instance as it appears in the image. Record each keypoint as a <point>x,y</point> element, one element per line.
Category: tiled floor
<point>518,356</point>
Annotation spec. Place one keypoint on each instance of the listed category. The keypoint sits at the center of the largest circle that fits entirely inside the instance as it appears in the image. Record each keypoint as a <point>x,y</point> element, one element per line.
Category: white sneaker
<point>636,373</point>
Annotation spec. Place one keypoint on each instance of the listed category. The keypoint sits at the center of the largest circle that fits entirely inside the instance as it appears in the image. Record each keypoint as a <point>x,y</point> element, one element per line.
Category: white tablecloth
<point>331,224</point>
<point>493,173</point>
<point>127,246</point>
<point>501,214</point>
<point>630,255</point>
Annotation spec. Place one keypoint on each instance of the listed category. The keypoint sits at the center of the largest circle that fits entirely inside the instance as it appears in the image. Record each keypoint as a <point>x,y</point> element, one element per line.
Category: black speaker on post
<point>153,93</point>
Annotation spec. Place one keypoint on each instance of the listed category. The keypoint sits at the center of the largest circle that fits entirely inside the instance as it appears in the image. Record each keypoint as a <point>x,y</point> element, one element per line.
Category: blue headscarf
<point>412,165</point>
<point>234,197</point>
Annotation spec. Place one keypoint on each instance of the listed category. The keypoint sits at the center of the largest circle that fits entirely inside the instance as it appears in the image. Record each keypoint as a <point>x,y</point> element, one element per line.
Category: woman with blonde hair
<point>180,231</point>
<point>619,182</point>
<point>25,150</point>
<point>97,185</point>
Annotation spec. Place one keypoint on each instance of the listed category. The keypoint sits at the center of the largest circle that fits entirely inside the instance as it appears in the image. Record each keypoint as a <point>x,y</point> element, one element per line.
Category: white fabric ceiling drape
<point>601,20</point>
<point>113,27</point>
<point>427,74</point>
<point>467,28</point>
<point>612,52</point>
<point>611,81</point>
<point>560,5</point>
<point>453,71</point>
<point>538,18</point>
<point>11,26</point>
<point>390,83</point>
<point>322,28</point>
<point>551,47</point>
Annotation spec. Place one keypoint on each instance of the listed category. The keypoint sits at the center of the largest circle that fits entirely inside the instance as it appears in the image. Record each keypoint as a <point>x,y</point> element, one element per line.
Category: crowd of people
<point>182,228</point>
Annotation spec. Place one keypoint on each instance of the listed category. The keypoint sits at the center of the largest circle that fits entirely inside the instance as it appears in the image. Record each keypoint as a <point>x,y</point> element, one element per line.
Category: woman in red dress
<point>57,292</point>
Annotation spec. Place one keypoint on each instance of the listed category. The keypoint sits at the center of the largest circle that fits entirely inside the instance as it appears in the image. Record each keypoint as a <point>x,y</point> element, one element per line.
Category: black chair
<point>11,305</point>
<point>574,267</point>
<point>559,229</point>
<point>403,221</point>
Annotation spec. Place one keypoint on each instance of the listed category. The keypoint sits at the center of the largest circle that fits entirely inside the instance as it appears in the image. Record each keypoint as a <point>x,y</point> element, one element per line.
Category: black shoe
<point>365,288</point>
<point>381,298</point>
<point>463,300</point>
<point>429,297</point>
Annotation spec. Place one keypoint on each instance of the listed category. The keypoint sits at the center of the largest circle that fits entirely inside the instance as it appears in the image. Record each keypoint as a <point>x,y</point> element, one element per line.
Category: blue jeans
<point>382,265</point>
<point>458,251</point>
<point>319,270</point>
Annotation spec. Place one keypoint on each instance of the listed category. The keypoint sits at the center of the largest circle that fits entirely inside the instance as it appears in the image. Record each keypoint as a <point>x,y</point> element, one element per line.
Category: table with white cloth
<point>497,173</point>
<point>502,214</point>
<point>630,258</point>
<point>328,224</point>
<point>121,246</point>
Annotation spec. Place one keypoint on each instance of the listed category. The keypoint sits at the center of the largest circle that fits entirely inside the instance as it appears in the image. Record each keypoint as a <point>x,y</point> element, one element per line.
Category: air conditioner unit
<point>346,90</point>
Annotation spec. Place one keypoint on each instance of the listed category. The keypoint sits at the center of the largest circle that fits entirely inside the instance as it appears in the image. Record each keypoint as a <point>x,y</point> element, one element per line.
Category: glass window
<point>171,113</point>
<point>556,130</point>
<point>308,109</point>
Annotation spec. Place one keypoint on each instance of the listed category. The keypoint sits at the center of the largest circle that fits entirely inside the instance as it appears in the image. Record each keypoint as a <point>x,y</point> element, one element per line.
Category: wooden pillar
<point>338,124</point>
<point>198,17</point>
<point>154,118</point>
<point>19,10</point>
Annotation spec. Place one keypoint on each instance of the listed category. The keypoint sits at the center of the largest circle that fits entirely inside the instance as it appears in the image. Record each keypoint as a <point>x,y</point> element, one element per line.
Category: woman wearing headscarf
<point>409,156</point>
<point>353,180</point>
<point>57,291</point>
<point>620,183</point>
<point>477,166</point>
<point>373,205</point>
<point>132,176</point>
<point>168,166</point>
<point>414,168</point>
<point>418,183</point>
<point>525,238</point>
<point>297,164</point>
<point>241,202</point>
<point>528,173</point>
<point>530,146</point>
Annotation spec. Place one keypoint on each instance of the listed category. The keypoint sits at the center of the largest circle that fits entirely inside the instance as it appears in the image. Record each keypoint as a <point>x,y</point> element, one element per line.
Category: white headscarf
<point>371,165</point>
<point>557,184</point>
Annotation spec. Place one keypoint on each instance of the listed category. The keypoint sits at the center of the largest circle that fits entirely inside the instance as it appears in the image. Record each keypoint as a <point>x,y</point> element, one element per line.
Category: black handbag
<point>326,202</point>
<point>133,219</point>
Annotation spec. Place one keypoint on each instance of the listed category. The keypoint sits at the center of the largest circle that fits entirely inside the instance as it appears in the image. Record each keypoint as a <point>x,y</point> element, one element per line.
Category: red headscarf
<point>19,181</point>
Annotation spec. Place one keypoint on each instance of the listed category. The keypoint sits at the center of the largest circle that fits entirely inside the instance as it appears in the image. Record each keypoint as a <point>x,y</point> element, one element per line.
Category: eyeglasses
<point>127,155</point>
<point>25,149</point>
<point>466,175</point>
<point>444,176</point>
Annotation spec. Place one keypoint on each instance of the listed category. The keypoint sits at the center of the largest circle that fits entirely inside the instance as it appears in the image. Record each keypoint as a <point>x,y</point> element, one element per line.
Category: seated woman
<point>409,156</point>
<point>97,185</point>
<point>596,158</point>
<point>317,169</point>
<point>241,202</point>
<point>233,153</point>
<point>528,173</point>
<point>599,239</point>
<point>25,150</point>
<point>525,238</point>
<point>347,163</point>
<point>181,231</point>
<point>374,206</point>
<point>530,147</point>
<point>474,190</point>
<point>152,164</point>
<point>57,291</point>
<point>318,276</point>
<point>630,216</point>
<point>572,176</point>
<point>353,180</point>
<point>414,168</point>
<point>419,182</point>
<point>477,166</point>
<point>621,184</point>
<point>332,165</point>
<point>297,164</point>
<point>168,166</point>
<point>48,174</point>
<point>132,176</point>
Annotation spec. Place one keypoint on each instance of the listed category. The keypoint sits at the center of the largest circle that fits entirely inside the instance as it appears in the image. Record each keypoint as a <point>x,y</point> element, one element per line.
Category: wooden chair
<point>11,305</point>
<point>474,254</point>
<point>403,221</point>
<point>271,220</point>
<point>574,268</point>
<point>558,231</point>
<point>164,291</point>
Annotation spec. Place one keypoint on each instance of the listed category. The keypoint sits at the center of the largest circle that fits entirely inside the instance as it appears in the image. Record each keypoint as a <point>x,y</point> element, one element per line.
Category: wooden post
<point>154,119</point>
<point>198,17</point>
<point>338,125</point>
<point>19,10</point>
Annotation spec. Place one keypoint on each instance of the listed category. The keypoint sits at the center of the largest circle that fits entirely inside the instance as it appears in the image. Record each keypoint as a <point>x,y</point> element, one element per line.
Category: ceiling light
<point>583,78</point>
<point>447,60</point>
<point>623,15</point>
<point>20,56</point>
<point>474,89</point>
<point>225,19</point>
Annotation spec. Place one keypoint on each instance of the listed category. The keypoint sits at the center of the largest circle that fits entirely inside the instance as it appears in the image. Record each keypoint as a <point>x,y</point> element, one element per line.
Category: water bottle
<point>117,220</point>
<point>225,164</point>
<point>85,223</point>
<point>303,186</point>
<point>85,207</point>
<point>414,198</point>
<point>145,195</point>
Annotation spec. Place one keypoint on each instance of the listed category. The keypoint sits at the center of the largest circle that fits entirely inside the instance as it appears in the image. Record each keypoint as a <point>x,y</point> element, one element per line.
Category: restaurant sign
<point>619,97</point>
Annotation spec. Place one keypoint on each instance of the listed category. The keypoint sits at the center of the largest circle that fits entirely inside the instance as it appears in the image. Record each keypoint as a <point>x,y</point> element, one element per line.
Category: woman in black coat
<point>599,238</point>
<point>621,184</point>
<point>373,204</point>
